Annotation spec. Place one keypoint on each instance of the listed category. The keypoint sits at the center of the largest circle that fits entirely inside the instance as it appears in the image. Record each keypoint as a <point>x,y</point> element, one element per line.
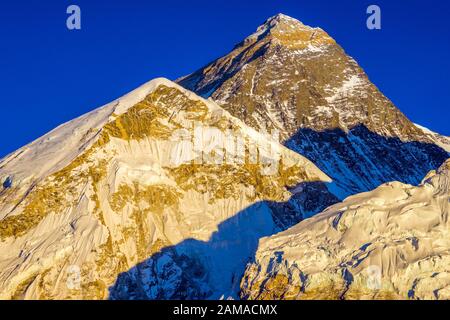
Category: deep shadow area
<point>361,160</point>
<point>213,269</point>
<point>196,269</point>
<point>358,161</point>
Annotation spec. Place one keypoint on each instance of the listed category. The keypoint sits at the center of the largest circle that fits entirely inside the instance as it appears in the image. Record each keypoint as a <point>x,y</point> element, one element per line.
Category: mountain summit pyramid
<point>298,80</point>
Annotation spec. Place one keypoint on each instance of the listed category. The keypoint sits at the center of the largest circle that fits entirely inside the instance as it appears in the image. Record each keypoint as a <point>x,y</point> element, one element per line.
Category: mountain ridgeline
<point>297,80</point>
<point>101,194</point>
<point>177,191</point>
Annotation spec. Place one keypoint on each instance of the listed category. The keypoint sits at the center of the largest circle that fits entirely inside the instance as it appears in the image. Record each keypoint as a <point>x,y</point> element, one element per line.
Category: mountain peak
<point>297,80</point>
<point>281,18</point>
<point>289,32</point>
<point>127,184</point>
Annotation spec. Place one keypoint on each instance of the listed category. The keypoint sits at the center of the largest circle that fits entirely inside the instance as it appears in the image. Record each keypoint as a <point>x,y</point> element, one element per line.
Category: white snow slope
<point>99,195</point>
<point>440,140</point>
<point>391,243</point>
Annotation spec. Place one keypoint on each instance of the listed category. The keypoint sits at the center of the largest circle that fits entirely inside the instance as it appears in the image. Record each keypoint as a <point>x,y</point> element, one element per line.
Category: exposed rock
<point>7,183</point>
<point>101,194</point>
<point>297,80</point>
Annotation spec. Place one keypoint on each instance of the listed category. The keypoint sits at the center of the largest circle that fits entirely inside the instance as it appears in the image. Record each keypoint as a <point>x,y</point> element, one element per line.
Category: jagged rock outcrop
<point>391,243</point>
<point>297,80</point>
<point>152,170</point>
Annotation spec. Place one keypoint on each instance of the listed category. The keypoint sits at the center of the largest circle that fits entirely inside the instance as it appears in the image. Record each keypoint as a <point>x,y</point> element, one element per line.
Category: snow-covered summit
<point>284,30</point>
<point>60,146</point>
<point>281,21</point>
<point>102,193</point>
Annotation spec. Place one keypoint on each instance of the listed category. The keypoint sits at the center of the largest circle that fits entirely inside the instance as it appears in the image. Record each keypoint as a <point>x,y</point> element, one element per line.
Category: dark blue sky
<point>49,75</point>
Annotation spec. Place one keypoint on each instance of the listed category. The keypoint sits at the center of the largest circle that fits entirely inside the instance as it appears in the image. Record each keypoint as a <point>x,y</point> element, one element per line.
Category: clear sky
<point>50,75</point>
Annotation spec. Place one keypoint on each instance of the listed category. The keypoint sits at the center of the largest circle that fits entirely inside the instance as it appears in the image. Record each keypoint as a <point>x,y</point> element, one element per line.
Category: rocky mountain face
<point>297,80</point>
<point>162,194</point>
<point>159,178</point>
<point>390,243</point>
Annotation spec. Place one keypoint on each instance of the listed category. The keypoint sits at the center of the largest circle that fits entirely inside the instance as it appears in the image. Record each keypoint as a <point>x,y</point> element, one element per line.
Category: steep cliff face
<point>297,80</point>
<point>391,243</point>
<point>109,190</point>
<point>361,160</point>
